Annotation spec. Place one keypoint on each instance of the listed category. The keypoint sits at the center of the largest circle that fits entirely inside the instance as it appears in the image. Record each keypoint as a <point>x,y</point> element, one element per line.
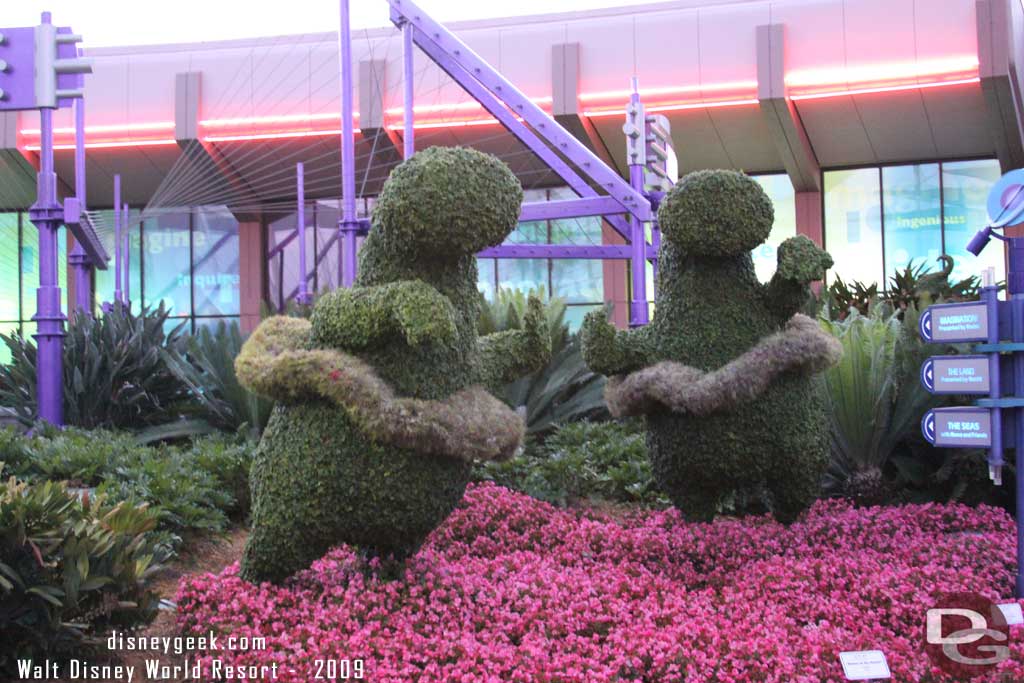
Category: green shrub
<point>189,489</point>
<point>69,568</point>
<point>725,373</point>
<point>207,367</point>
<point>584,460</point>
<point>114,375</point>
<point>395,355</point>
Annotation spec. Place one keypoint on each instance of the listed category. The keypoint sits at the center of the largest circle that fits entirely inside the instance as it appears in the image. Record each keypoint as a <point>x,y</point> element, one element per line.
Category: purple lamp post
<point>638,238</point>
<point>348,226</point>
<point>126,213</point>
<point>78,259</point>
<point>47,215</point>
<point>300,192</point>
<point>118,294</point>
<point>408,140</point>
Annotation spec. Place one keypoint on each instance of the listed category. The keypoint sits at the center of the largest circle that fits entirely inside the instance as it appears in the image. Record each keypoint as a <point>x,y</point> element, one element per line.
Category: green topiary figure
<point>723,374</point>
<point>380,405</point>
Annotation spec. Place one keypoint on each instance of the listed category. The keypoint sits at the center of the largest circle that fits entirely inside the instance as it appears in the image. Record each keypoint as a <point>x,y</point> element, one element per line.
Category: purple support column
<point>409,140</point>
<point>80,264</point>
<point>300,192</point>
<point>638,240</point>
<point>126,278</point>
<point>117,239</point>
<point>348,226</point>
<point>47,215</point>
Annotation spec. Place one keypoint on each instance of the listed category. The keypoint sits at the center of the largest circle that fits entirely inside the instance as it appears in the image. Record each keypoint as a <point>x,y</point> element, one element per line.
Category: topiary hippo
<point>724,373</point>
<point>380,405</point>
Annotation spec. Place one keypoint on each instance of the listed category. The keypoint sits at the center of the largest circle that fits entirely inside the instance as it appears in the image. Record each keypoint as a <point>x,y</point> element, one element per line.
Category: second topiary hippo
<point>724,373</point>
<point>382,406</point>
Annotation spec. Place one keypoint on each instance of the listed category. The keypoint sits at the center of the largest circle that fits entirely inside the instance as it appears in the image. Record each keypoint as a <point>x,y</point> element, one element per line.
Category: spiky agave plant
<point>114,375</point>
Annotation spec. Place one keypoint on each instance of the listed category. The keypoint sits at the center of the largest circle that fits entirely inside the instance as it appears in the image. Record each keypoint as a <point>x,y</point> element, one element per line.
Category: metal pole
<point>408,139</point>
<point>347,226</point>
<point>117,239</point>
<point>638,240</point>
<point>300,193</point>
<point>80,264</point>
<point>127,255</point>
<point>47,215</point>
<point>1015,292</point>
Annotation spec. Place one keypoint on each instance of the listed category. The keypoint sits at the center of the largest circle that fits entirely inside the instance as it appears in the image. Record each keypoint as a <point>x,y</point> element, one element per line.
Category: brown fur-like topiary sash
<point>469,425</point>
<point>802,346</point>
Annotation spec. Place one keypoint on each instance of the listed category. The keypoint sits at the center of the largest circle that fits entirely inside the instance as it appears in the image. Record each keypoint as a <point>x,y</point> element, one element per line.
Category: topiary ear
<point>447,200</point>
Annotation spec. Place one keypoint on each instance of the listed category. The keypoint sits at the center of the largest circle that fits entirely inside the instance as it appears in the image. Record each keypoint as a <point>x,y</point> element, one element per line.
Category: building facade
<point>876,127</point>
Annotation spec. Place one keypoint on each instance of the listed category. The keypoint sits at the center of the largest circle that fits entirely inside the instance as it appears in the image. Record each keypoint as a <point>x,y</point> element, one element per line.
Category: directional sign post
<point>958,427</point>
<point>955,323</point>
<point>956,375</point>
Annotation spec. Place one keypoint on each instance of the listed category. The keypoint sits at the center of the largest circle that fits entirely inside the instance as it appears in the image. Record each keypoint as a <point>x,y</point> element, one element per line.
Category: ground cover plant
<point>194,488</point>
<point>513,589</point>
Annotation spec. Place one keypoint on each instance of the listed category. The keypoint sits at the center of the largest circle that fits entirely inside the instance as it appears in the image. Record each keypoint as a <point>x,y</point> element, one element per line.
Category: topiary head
<point>448,202</point>
<point>716,213</point>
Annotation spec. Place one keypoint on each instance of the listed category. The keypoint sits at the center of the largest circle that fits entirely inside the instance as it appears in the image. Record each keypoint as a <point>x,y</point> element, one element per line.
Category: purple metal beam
<point>117,239</point>
<point>559,251</point>
<point>409,133</point>
<point>568,208</point>
<point>78,259</point>
<point>461,54</point>
<point>300,229</point>
<point>498,110</point>
<point>348,226</point>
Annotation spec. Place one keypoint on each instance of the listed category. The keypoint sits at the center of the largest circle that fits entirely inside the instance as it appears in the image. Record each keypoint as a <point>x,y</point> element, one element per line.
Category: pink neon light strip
<point>112,144</point>
<point>271,136</point>
<point>890,88</point>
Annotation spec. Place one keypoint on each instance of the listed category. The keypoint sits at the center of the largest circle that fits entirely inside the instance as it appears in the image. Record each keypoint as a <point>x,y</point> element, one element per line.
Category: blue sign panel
<point>956,375</point>
<point>958,427</point>
<point>951,323</point>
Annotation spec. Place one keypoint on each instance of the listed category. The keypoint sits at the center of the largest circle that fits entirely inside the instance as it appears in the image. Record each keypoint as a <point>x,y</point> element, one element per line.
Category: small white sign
<point>864,665</point>
<point>1012,613</point>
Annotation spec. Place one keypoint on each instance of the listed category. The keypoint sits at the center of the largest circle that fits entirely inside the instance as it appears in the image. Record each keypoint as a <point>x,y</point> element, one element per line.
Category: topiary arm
<point>361,317</point>
<point>507,356</point>
<point>800,262</point>
<point>610,351</point>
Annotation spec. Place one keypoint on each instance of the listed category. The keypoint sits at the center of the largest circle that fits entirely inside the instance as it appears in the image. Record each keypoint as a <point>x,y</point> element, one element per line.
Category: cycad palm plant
<point>875,399</point>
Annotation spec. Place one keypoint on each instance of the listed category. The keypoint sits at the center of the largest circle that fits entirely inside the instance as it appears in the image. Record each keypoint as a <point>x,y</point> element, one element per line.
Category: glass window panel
<point>485,277</point>
<point>62,267</point>
<point>578,281</point>
<point>212,323</point>
<point>534,232</point>
<point>215,279</point>
<point>965,188</point>
<point>913,216</point>
<point>780,190</point>
<point>574,315</point>
<point>172,323</point>
<point>103,288</point>
<point>328,247</point>
<point>523,274</point>
<point>580,231</point>
<point>9,295</point>
<point>29,270</point>
<point>167,257</point>
<point>5,353</point>
<point>853,234</point>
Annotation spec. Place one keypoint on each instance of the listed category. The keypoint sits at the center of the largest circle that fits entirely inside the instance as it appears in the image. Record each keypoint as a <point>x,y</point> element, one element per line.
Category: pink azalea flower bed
<point>511,589</point>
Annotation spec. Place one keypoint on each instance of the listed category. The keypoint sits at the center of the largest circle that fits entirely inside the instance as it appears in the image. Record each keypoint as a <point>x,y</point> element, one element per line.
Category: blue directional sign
<point>951,323</point>
<point>958,427</point>
<point>956,375</point>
